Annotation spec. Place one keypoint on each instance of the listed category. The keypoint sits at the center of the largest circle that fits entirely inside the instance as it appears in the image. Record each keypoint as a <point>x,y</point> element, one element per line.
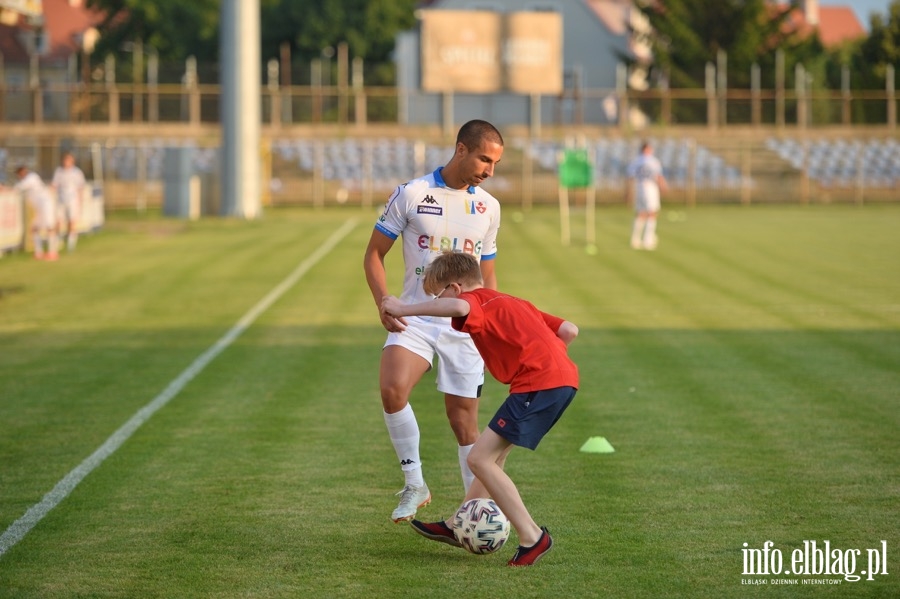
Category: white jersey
<point>40,199</point>
<point>646,170</point>
<point>68,183</point>
<point>433,218</point>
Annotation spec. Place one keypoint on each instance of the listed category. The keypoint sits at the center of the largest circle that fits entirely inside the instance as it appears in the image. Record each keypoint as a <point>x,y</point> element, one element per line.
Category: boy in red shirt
<point>522,347</point>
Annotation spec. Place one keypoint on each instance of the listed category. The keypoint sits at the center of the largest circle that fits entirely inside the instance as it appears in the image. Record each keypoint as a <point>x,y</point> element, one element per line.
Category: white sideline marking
<point>35,513</point>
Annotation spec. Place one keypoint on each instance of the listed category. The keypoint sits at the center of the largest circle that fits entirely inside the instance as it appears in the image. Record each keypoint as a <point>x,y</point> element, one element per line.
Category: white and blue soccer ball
<point>481,526</point>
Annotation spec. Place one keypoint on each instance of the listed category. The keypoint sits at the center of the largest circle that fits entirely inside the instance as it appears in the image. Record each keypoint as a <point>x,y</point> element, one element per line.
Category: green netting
<point>575,170</point>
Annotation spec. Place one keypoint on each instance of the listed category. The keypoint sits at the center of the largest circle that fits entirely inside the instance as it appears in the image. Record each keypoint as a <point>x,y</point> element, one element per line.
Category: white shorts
<point>44,216</point>
<point>647,198</point>
<point>460,367</point>
<point>70,211</point>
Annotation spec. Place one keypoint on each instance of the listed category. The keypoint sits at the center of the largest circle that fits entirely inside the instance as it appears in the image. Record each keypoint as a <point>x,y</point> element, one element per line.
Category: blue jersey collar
<point>440,180</point>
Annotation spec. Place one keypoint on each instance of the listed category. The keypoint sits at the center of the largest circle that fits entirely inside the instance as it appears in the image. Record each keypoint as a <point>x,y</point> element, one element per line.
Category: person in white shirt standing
<point>646,173</point>
<point>445,210</point>
<point>43,223</point>
<point>69,182</point>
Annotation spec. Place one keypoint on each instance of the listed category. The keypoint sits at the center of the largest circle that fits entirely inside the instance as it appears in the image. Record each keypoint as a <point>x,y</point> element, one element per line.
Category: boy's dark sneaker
<point>436,531</point>
<point>528,556</point>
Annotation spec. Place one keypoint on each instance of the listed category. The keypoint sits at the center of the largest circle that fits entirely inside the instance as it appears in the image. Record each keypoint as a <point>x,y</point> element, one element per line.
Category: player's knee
<point>394,398</point>
<point>466,432</point>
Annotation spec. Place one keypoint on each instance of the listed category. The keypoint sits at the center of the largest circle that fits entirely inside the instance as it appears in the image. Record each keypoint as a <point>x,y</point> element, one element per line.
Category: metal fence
<point>851,165</point>
<point>198,104</point>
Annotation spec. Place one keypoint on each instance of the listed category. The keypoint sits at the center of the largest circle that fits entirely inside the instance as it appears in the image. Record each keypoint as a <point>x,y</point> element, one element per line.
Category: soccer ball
<point>480,526</point>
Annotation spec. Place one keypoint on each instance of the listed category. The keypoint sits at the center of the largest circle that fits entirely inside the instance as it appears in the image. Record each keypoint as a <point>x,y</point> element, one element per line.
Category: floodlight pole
<point>240,54</point>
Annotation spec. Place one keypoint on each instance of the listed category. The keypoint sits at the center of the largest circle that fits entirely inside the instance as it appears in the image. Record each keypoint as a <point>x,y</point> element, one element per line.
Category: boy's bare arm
<point>443,306</point>
<point>567,332</point>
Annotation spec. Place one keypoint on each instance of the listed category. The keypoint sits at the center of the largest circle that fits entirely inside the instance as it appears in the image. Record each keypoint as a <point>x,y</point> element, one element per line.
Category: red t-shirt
<point>517,341</point>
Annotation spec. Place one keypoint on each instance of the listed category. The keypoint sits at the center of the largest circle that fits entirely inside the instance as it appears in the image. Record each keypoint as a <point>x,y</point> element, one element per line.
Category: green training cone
<point>597,445</point>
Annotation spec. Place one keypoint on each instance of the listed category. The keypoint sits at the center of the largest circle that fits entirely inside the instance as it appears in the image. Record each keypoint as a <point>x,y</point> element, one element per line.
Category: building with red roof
<point>42,44</point>
<point>833,24</point>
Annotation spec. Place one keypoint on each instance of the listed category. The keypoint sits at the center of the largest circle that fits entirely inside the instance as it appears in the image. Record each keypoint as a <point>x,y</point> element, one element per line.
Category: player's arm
<point>442,306</point>
<point>376,276</point>
<point>489,274</point>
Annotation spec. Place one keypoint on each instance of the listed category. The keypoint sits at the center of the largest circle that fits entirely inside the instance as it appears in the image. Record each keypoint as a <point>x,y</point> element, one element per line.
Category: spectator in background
<point>43,223</point>
<point>647,183</point>
<point>68,181</point>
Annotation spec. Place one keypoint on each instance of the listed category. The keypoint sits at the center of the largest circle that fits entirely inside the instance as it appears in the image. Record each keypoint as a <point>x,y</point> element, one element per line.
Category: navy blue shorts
<point>524,418</point>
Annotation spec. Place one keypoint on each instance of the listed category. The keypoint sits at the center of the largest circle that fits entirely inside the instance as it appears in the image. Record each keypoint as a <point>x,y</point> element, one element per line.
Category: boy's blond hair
<point>452,267</point>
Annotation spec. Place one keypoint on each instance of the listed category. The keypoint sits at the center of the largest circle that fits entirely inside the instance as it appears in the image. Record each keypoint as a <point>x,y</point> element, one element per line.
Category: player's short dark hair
<point>451,267</point>
<point>475,132</point>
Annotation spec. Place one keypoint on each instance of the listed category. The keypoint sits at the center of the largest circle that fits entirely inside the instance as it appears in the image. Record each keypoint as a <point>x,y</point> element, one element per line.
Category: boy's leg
<point>486,459</point>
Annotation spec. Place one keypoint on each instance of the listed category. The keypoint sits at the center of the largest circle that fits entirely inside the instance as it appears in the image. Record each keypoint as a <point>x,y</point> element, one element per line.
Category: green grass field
<point>747,374</point>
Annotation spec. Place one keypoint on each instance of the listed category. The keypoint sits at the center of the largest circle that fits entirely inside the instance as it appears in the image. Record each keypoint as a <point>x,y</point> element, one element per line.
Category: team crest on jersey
<point>475,207</point>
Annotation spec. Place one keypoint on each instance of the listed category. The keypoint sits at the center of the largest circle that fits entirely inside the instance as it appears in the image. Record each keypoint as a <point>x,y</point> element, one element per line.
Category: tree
<point>882,47</point>
<point>686,35</point>
<point>867,62</point>
<point>176,29</point>
<point>309,26</point>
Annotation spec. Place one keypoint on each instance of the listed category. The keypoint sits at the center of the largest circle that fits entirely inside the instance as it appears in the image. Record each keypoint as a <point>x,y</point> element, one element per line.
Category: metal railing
<point>197,105</point>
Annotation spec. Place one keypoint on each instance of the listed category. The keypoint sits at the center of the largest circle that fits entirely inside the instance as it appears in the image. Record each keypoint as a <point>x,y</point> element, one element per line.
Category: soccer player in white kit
<point>43,224</point>
<point>445,210</point>
<point>68,181</point>
<point>646,171</point>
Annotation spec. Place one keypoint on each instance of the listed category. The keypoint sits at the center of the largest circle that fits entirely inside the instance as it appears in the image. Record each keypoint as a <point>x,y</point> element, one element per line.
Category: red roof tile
<point>64,23</point>
<point>838,24</point>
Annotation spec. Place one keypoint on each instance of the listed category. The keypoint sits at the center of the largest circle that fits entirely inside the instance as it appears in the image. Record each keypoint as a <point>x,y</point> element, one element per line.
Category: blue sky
<point>863,8</point>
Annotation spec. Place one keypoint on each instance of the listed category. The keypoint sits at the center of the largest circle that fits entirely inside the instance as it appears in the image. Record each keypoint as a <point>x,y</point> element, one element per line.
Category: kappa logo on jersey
<point>434,207</point>
<point>473,207</point>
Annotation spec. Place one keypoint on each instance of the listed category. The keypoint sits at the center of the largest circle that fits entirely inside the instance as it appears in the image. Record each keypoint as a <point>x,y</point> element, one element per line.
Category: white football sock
<point>38,244</point>
<point>638,228</point>
<point>650,230</point>
<point>404,431</point>
<point>467,475</point>
<point>53,243</point>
